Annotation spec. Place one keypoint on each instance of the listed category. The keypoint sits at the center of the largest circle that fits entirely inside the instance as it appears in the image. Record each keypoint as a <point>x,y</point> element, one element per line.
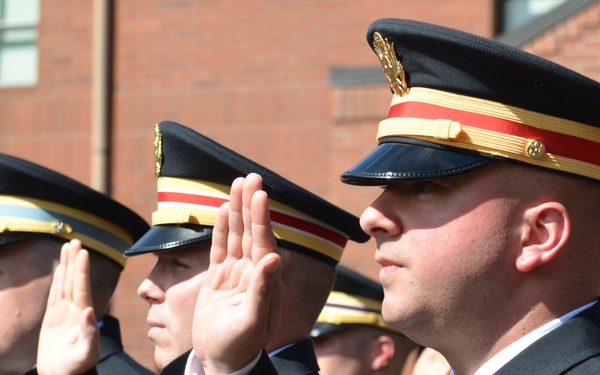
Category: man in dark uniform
<point>350,335</point>
<point>487,227</point>
<point>39,211</point>
<point>193,176</point>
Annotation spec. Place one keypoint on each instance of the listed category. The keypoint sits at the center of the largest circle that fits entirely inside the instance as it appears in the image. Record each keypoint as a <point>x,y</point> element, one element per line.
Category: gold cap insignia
<point>60,227</point>
<point>158,157</point>
<point>393,69</point>
<point>535,149</point>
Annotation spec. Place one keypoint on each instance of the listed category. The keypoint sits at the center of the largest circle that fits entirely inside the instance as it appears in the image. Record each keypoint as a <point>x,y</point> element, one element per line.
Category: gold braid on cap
<point>158,157</point>
<point>393,69</point>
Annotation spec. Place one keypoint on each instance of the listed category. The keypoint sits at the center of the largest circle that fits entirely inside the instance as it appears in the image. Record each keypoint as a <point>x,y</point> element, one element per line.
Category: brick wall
<point>574,43</point>
<point>49,123</point>
<point>250,74</point>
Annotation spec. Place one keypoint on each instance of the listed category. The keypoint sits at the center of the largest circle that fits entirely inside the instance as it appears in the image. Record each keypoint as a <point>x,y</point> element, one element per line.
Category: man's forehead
<point>30,243</point>
<point>13,237</point>
<point>29,259</point>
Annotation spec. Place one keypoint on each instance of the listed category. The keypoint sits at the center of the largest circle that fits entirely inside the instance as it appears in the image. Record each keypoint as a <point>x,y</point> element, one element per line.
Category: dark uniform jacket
<point>298,359</point>
<point>113,360</point>
<point>573,349</point>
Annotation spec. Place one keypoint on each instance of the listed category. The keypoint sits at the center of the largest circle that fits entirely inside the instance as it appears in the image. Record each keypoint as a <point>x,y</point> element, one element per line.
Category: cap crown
<point>467,95</point>
<point>34,199</point>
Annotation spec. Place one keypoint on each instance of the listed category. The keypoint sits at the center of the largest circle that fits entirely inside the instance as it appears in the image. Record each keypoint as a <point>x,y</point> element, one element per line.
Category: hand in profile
<point>69,341</point>
<point>239,305</point>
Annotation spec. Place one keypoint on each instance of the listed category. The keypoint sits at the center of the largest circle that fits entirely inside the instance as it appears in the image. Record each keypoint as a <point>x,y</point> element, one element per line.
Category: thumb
<point>276,302</point>
<point>266,290</point>
<point>89,337</point>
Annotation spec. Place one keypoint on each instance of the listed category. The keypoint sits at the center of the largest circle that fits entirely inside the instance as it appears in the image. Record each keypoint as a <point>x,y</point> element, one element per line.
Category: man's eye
<point>423,188</point>
<point>178,264</point>
<point>321,340</point>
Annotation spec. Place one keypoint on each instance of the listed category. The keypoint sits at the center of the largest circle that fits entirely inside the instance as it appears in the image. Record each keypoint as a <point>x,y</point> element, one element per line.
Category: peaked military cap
<point>38,201</point>
<point>194,175</point>
<point>354,300</point>
<point>460,100</point>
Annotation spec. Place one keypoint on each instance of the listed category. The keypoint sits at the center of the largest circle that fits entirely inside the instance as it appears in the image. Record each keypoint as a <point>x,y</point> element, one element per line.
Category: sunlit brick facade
<point>255,75</point>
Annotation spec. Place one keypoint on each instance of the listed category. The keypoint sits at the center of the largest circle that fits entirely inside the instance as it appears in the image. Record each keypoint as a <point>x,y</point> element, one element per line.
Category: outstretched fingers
<point>265,288</point>
<point>252,185</point>
<point>220,235</point>
<point>263,240</point>
<point>57,292</point>
<point>236,219</point>
<point>73,248</point>
<point>82,293</point>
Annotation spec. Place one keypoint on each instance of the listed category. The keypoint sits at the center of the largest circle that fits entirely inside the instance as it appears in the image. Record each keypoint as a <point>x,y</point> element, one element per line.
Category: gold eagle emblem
<point>393,69</point>
<point>158,156</point>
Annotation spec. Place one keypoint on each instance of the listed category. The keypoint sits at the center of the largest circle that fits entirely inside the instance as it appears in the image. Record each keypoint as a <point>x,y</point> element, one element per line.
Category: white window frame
<point>19,53</point>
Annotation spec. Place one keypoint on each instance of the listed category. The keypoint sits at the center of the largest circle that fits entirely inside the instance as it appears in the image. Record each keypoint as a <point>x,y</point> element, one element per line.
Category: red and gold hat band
<point>494,128</point>
<point>186,201</point>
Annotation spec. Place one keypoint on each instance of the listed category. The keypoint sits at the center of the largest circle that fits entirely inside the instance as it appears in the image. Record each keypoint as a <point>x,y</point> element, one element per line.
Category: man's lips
<point>386,262</point>
<point>155,327</point>
<point>388,267</point>
<point>154,324</point>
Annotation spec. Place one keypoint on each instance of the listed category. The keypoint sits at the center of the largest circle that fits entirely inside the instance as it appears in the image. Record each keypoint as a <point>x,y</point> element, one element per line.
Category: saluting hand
<point>239,306</point>
<point>69,340</point>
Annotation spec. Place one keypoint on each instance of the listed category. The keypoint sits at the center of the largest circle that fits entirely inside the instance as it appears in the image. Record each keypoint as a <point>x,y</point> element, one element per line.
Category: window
<point>515,13</point>
<point>18,42</point>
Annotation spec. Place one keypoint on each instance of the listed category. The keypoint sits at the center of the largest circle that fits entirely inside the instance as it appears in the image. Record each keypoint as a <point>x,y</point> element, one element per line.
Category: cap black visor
<point>322,329</point>
<point>409,159</point>
<point>169,237</point>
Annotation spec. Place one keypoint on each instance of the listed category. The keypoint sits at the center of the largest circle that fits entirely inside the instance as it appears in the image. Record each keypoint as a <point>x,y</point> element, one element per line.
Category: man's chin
<point>162,358</point>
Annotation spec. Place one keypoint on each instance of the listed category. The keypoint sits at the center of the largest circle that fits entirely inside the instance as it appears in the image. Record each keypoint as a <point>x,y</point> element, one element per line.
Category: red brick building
<point>291,84</point>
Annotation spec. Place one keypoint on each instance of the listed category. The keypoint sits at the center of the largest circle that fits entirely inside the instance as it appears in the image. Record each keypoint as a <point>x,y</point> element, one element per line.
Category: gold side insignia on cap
<point>60,227</point>
<point>393,69</point>
<point>535,149</point>
<point>158,156</point>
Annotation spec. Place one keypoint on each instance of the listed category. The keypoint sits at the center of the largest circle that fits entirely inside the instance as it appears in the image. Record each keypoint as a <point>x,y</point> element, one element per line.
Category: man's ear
<point>546,229</point>
<point>383,354</point>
